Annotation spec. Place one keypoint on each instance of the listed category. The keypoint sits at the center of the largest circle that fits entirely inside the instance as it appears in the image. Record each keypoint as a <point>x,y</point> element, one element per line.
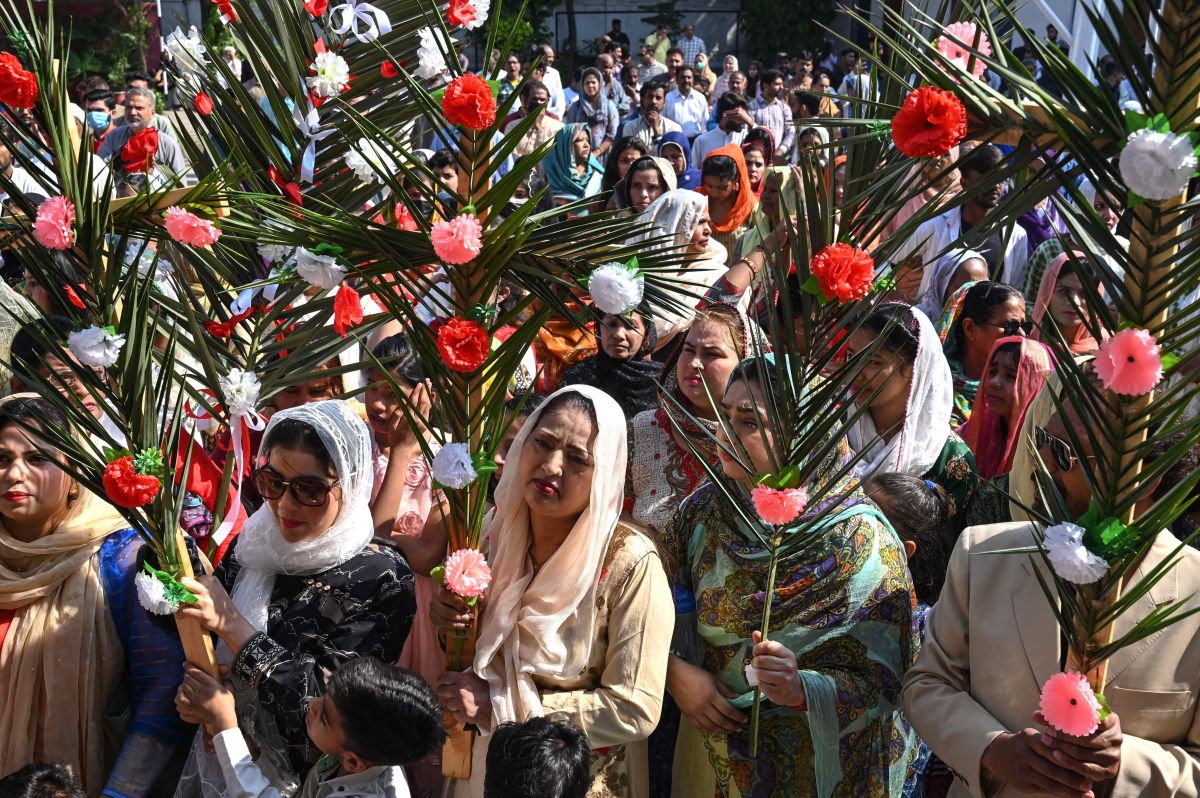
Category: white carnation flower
<point>187,49</point>
<point>367,159</point>
<point>1069,557</point>
<point>615,288</point>
<point>95,347</point>
<point>240,390</point>
<point>322,271</point>
<point>431,61</point>
<point>274,253</point>
<point>152,594</point>
<point>751,676</point>
<point>331,74</point>
<point>1156,165</point>
<point>452,466</point>
<point>481,13</point>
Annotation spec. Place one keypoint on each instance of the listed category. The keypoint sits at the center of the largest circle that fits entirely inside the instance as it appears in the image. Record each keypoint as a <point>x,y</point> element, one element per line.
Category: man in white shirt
<point>685,106</point>
<point>553,81</point>
<point>650,125</point>
<point>18,177</point>
<point>733,122</point>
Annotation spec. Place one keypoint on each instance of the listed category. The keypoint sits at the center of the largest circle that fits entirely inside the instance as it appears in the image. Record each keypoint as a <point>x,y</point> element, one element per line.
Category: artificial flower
<point>95,347</point>
<point>137,155</point>
<point>187,50</point>
<point>404,218</point>
<point>18,86</point>
<point>368,159</point>
<point>152,594</point>
<point>468,102</point>
<point>751,675</point>
<point>843,272</point>
<point>320,270</point>
<point>54,227</point>
<point>330,75</point>
<point>316,7</point>
<point>363,21</point>
<point>1069,557</point>
<point>431,58</point>
<point>203,104</point>
<point>347,309</point>
<point>228,15</point>
<point>467,574</point>
<point>777,506</point>
<point>188,228</point>
<point>929,123</point>
<point>954,44</point>
<point>275,253</point>
<point>459,240</point>
<point>239,390</point>
<point>616,288</point>
<point>1129,363</point>
<point>452,466</point>
<point>224,329</point>
<point>73,297</point>
<point>388,70</point>
<point>1069,704</point>
<point>463,344</point>
<point>125,487</point>
<point>471,14</point>
<point>1157,165</point>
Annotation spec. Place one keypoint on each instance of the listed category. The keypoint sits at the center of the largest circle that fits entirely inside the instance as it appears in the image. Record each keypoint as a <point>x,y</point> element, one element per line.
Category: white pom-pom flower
<point>616,288</point>
<point>322,271</point>
<point>431,59</point>
<point>751,675</point>
<point>187,50</point>
<point>1069,557</point>
<point>275,253</point>
<point>95,347</point>
<point>240,391</point>
<point>330,75</point>
<point>367,159</point>
<point>152,594</point>
<point>452,466</point>
<point>481,8</point>
<point>1157,165</point>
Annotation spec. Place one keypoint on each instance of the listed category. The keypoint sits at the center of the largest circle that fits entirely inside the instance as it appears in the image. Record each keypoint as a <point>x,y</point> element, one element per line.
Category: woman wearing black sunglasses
<point>987,312</point>
<point>307,589</point>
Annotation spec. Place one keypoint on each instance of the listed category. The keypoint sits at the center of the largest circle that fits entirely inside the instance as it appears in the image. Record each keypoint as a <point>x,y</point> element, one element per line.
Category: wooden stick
<point>197,643</point>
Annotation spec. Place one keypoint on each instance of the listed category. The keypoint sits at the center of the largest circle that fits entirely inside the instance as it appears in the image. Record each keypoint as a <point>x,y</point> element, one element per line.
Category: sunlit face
<point>625,160</point>
<point>380,399</point>
<point>737,83</point>
<point>685,78</point>
<point>675,61</point>
<point>605,64</point>
<point>676,158</point>
<point>811,144</point>
<point>1067,302</point>
<point>730,65</point>
<point>653,101</point>
<point>299,522</point>
<point>885,371</point>
<point>701,233</point>
<point>581,145</point>
<point>745,413</point>
<point>512,66</point>
<point>971,270</point>
<point>138,113</point>
<point>33,487</point>
<point>449,176</point>
<point>557,464</point>
<point>621,337</point>
<point>708,358</point>
<point>1108,210</point>
<point>38,294</point>
<point>991,194</point>
<point>982,337</point>
<point>537,97</point>
<point>839,184</point>
<point>803,66</point>
<point>772,89</point>
<point>591,85</point>
<point>645,186</point>
<point>306,393</point>
<point>323,723</point>
<point>755,166</point>
<point>1071,483</point>
<point>719,190</point>
<point>1000,382</point>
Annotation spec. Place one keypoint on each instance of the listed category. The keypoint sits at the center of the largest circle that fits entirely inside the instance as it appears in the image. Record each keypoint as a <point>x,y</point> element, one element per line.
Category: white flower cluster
<point>1069,557</point>
<point>453,467</point>
<point>367,159</point>
<point>275,253</point>
<point>187,50</point>
<point>332,73</point>
<point>152,594</point>
<point>616,288</point>
<point>431,59</point>
<point>240,391</point>
<point>95,347</point>
<point>323,271</point>
<point>1157,165</point>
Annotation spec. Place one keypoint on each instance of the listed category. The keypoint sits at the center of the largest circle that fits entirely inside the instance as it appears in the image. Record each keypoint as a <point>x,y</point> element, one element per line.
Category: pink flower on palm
<point>778,506</point>
<point>957,44</point>
<point>54,227</point>
<point>188,228</point>
<point>459,240</point>
<point>1129,363</point>
<point>467,573</point>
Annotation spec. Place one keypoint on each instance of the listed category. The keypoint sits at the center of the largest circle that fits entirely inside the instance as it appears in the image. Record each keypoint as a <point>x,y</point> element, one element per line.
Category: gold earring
<point>73,493</point>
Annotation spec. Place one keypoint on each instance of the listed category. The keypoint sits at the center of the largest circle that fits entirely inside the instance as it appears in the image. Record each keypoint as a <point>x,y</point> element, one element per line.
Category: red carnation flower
<point>468,102</point>
<point>204,104</point>
<point>388,70</point>
<point>227,13</point>
<point>73,297</point>
<point>138,153</point>
<point>125,487</point>
<point>463,344</point>
<point>18,86</point>
<point>929,123</point>
<point>347,309</point>
<point>461,12</point>
<point>843,272</point>
<point>317,7</point>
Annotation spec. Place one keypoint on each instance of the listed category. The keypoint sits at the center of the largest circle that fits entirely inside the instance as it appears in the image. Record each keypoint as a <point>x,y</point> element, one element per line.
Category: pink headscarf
<point>1083,343</point>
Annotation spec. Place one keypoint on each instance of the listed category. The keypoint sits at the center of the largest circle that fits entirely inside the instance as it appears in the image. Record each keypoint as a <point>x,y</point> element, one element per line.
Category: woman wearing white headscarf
<point>308,589</point>
<point>722,85</point>
<point>906,428</point>
<point>940,281</point>
<point>577,623</point>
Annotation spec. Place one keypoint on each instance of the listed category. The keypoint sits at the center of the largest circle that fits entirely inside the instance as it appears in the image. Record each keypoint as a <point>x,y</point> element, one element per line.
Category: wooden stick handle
<point>197,643</point>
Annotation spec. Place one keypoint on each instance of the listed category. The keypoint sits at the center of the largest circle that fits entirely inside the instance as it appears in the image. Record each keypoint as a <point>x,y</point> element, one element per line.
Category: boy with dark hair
<point>41,781</point>
<point>540,758</point>
<point>373,720</point>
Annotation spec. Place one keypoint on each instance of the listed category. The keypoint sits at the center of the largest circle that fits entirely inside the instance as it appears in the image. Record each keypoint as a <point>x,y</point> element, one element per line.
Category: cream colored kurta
<point>616,701</point>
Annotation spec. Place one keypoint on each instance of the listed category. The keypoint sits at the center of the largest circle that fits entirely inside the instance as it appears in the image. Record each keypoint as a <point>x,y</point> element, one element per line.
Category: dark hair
<point>397,355</point>
<point>686,68</point>
<point>794,295</point>
<point>101,95</point>
<point>390,716</point>
<point>41,780</point>
<point>137,74</point>
<point>919,510</point>
<point>529,403</point>
<point>28,351</point>
<point>721,167</point>
<point>292,433</point>
<point>32,411</point>
<point>896,324</point>
<point>643,164</point>
<point>674,50</point>
<point>804,55</point>
<point>810,101</point>
<point>770,76</point>
<point>759,371</point>
<point>730,101</point>
<point>1111,68</point>
<point>981,159</point>
<point>981,301</point>
<point>649,86</point>
<point>441,159</point>
<point>540,758</point>
<point>527,92</point>
<point>850,51</point>
<point>572,399</point>
<point>614,156</point>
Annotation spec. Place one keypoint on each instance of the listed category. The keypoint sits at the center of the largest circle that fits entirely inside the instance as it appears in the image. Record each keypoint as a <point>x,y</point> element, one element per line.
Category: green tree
<point>770,27</point>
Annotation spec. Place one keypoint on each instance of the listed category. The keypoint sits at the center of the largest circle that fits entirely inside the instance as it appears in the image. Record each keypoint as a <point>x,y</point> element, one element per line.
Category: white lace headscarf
<point>674,213</point>
<point>936,278</point>
<point>543,623</point>
<point>919,444</point>
<point>263,552</point>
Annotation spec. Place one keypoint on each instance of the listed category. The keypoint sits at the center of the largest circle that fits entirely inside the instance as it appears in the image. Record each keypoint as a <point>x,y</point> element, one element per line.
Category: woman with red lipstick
<point>71,627</point>
<point>577,621</point>
<point>1061,303</point>
<point>308,588</point>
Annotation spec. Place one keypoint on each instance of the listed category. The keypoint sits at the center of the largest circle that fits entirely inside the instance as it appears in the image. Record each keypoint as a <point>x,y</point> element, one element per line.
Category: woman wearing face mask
<point>71,626</point>
<point>977,314</point>
<point>732,204</point>
<point>577,621</point>
<point>571,171</point>
<point>307,589</point>
<point>704,74</point>
<point>675,150</point>
<point>907,386</point>
<point>622,367</point>
<point>1061,307</point>
<point>840,644</point>
<point>647,179</point>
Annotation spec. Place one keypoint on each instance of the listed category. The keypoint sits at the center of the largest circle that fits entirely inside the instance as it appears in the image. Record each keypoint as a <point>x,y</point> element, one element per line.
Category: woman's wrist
<point>236,632</point>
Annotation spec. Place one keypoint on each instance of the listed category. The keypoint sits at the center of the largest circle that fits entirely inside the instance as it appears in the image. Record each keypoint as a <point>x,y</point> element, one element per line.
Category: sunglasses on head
<point>309,491</point>
<point>1060,451</point>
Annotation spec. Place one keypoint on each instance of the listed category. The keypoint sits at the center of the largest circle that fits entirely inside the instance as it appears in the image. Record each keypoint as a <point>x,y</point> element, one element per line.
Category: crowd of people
<point>619,645</point>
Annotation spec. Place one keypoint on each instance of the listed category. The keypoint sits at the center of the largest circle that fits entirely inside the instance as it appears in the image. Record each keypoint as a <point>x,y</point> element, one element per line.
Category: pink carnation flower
<point>778,506</point>
<point>1129,363</point>
<point>467,573</point>
<point>54,227</point>
<point>955,44</point>
<point>459,240</point>
<point>188,228</point>
<point>1069,705</point>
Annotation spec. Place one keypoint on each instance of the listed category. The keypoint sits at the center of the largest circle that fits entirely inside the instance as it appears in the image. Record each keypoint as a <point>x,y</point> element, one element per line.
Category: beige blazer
<point>991,642</point>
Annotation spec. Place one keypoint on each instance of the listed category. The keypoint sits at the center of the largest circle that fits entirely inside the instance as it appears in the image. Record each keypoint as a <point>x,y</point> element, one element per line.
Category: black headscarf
<point>633,383</point>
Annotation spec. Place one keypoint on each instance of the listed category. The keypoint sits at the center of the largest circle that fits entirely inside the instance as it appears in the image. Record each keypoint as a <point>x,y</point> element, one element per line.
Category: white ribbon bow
<point>245,297</point>
<point>310,126</point>
<point>352,13</point>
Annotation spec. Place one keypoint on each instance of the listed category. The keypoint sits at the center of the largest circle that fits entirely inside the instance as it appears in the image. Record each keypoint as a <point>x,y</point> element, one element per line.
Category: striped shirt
<point>775,116</point>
